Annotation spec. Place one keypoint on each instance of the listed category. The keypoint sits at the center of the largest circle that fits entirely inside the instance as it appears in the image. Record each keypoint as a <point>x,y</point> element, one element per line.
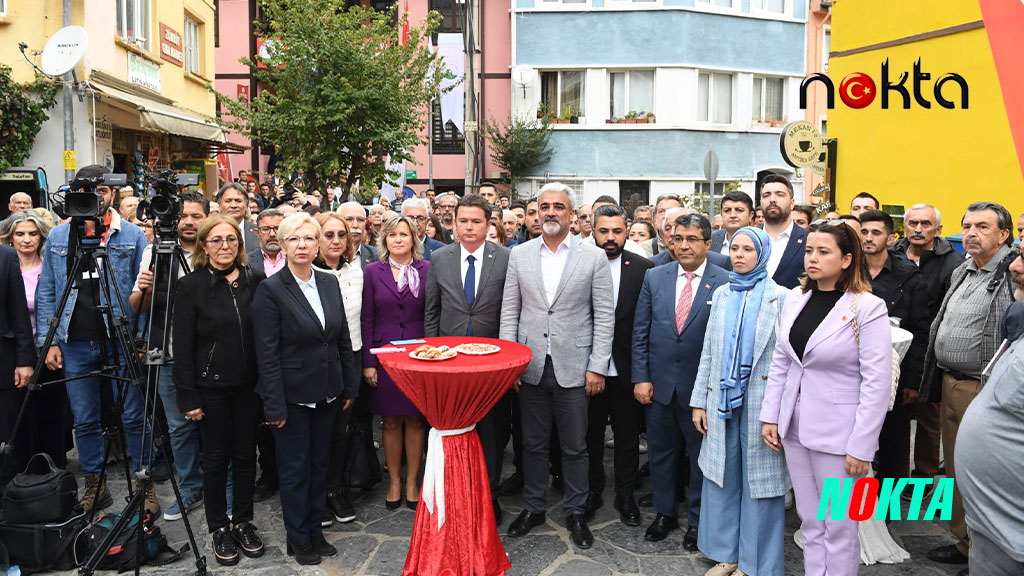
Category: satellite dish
<point>64,50</point>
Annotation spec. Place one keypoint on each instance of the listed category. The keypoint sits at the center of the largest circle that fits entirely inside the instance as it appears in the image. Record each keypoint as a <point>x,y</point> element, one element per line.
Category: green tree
<point>22,113</point>
<point>519,145</point>
<point>340,93</point>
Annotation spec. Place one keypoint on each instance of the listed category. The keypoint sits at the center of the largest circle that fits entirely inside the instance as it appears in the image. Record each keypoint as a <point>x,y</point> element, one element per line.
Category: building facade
<point>648,87</point>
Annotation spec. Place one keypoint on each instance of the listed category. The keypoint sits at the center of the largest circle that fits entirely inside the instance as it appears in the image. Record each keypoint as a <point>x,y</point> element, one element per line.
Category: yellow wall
<point>32,23</point>
<point>949,158</point>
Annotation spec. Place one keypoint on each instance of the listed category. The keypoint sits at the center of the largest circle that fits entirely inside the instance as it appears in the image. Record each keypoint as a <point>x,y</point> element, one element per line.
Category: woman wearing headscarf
<point>745,481</point>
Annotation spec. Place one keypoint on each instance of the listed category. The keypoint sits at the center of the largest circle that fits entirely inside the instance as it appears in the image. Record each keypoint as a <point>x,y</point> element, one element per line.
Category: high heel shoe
<point>412,504</point>
<point>393,505</point>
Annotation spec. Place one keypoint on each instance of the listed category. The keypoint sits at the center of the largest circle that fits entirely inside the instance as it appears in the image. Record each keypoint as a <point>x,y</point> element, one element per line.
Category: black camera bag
<point>41,494</point>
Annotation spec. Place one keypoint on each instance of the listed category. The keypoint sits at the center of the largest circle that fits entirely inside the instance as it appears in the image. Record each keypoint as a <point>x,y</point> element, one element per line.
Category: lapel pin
<point>800,241</point>
<point>626,262</point>
<point>844,318</point>
<point>707,286</point>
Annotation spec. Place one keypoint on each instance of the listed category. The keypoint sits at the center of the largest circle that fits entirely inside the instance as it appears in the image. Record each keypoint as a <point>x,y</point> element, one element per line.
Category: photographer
<point>182,433</point>
<point>80,330</point>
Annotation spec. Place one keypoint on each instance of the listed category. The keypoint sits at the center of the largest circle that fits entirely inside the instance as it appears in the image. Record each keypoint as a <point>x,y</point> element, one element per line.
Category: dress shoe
<point>647,500</point>
<point>323,547</point>
<point>690,539</point>
<point>660,528</point>
<point>265,488</point>
<point>947,555</point>
<point>722,569</point>
<point>512,485</point>
<point>224,548</point>
<point>305,555</point>
<point>594,503</point>
<point>578,531</point>
<point>497,511</point>
<point>525,522</point>
<point>247,540</point>
<point>629,514</point>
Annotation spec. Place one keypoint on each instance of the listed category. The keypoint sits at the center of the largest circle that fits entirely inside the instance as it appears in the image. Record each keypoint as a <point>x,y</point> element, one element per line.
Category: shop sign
<point>104,130</point>
<point>143,72</point>
<point>243,93</point>
<point>170,45</point>
<point>154,157</point>
<point>800,144</point>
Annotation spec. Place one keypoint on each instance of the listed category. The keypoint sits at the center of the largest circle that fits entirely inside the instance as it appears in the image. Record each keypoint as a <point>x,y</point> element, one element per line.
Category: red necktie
<point>685,301</point>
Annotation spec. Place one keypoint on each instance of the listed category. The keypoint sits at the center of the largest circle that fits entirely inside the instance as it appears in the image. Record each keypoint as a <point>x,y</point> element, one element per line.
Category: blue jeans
<point>82,357</point>
<point>184,437</point>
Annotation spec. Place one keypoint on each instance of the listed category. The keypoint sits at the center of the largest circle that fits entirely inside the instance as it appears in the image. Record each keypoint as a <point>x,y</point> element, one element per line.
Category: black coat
<point>213,341</point>
<point>936,267</point>
<point>301,361</point>
<point>631,281</point>
<point>17,344</point>
<point>901,285</point>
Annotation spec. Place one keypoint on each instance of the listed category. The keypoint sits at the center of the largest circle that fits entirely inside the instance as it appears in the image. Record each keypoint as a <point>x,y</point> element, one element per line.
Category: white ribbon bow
<point>433,476</point>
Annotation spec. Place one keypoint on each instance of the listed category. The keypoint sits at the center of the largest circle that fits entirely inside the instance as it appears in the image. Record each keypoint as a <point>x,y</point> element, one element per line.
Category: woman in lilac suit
<point>828,388</point>
<point>393,294</point>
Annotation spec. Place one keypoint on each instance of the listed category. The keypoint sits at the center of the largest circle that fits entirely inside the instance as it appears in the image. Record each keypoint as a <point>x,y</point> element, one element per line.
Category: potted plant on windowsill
<point>650,117</point>
<point>631,117</point>
<point>641,117</point>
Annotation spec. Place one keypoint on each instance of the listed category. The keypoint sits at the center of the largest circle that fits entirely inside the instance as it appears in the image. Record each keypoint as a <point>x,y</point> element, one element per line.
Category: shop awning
<point>163,118</point>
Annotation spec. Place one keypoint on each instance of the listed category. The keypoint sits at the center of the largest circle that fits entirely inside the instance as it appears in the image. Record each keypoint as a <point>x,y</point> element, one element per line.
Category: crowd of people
<point>750,353</point>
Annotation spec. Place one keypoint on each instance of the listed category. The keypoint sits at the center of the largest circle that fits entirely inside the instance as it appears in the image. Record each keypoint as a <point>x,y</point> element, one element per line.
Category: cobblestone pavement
<point>377,542</point>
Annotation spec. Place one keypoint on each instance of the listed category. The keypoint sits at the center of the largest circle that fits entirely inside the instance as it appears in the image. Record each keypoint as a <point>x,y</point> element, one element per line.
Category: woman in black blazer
<point>215,375</point>
<point>307,374</point>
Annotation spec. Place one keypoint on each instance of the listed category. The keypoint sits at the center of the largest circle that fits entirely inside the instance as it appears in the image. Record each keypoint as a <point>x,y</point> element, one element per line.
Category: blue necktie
<point>469,287</point>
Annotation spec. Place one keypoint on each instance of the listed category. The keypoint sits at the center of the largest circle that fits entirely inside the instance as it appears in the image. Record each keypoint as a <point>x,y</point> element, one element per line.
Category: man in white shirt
<point>355,216</point>
<point>786,262</point>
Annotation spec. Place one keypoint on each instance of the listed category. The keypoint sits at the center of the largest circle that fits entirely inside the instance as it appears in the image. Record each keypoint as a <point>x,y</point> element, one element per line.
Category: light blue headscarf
<point>738,348</point>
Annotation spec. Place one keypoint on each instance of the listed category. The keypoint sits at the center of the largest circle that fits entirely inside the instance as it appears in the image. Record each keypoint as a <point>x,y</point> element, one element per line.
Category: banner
<point>387,189</point>
<point>453,103</point>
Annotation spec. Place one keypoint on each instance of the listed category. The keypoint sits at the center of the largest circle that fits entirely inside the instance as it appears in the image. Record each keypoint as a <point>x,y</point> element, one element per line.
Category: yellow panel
<point>865,22</point>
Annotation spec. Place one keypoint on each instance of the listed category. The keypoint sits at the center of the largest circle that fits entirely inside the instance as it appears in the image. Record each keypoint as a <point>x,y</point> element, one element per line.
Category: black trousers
<point>303,458</point>
<point>618,402</point>
<point>267,451</point>
<point>894,442</point>
<point>339,440</point>
<point>510,425</point>
<point>228,431</point>
<point>42,429</point>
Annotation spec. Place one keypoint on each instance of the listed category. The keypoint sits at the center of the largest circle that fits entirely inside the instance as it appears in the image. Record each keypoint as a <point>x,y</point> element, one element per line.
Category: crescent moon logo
<point>857,90</point>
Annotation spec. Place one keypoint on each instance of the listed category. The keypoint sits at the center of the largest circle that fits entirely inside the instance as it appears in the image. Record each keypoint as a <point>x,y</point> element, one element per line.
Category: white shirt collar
<point>699,272</point>
<point>303,284</point>
<point>477,254</point>
<point>564,242</point>
<point>788,232</point>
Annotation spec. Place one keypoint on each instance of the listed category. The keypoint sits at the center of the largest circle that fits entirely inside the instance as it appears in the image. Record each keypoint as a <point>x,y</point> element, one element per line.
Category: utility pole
<point>471,140</point>
<point>69,115</point>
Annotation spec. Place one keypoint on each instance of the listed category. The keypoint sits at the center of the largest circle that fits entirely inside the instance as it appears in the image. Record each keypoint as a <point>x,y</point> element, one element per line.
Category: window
<point>716,3</point>
<point>631,91</point>
<point>826,47</point>
<point>773,6</point>
<point>382,5</point>
<point>574,184</point>
<point>559,2</point>
<point>714,98</point>
<point>767,99</point>
<point>452,16</point>
<point>133,22</point>
<point>562,92</point>
<point>3,7</point>
<point>191,46</point>
<point>634,193</point>
<point>216,23</point>
<point>444,139</point>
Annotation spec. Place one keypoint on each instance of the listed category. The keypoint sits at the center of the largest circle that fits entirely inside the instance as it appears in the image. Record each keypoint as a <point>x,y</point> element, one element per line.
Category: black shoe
<point>647,500</point>
<point>497,512</point>
<point>393,504</point>
<point>412,504</point>
<point>339,505</point>
<point>579,532</point>
<point>525,522</point>
<point>323,547</point>
<point>246,538</point>
<point>224,547</point>
<point>265,489</point>
<point>305,555</point>
<point>328,519</point>
<point>629,514</point>
<point>660,528</point>
<point>690,539</point>
<point>594,502</point>
<point>947,555</point>
<point>512,485</point>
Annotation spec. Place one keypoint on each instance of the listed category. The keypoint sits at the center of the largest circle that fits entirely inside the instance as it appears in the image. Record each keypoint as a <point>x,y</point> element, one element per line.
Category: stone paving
<point>377,543</point>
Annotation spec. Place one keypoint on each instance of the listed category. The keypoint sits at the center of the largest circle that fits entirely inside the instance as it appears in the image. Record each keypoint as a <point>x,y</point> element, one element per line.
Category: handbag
<point>895,369</point>
<point>41,547</point>
<point>362,468</point>
<point>42,493</point>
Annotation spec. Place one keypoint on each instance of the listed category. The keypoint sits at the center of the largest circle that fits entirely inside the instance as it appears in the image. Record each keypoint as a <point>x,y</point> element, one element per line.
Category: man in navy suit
<point>669,255</point>
<point>417,210</point>
<point>737,211</point>
<point>786,263</point>
<point>668,337</point>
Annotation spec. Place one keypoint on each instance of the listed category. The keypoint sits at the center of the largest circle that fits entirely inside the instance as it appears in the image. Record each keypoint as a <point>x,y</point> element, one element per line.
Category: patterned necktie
<point>685,301</point>
<point>469,287</point>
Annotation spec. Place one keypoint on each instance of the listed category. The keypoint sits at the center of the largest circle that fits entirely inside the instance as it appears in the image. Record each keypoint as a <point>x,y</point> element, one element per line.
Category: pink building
<point>447,164</point>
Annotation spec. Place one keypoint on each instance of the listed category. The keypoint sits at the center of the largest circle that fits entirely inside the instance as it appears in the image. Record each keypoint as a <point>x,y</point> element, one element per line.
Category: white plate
<point>471,353</point>
<point>415,357</point>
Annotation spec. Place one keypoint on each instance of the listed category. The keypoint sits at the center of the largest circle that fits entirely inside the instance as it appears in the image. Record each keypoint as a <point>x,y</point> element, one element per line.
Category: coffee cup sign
<point>800,144</point>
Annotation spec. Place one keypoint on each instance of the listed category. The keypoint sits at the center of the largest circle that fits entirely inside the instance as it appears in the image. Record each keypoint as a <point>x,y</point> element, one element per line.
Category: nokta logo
<point>857,89</point>
<point>867,497</point>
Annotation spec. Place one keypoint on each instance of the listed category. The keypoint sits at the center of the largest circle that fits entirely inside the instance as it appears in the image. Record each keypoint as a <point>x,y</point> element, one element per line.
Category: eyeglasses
<point>688,239</point>
<point>267,230</point>
<point>359,219</point>
<point>300,240</point>
<point>419,219</point>
<point>218,242</point>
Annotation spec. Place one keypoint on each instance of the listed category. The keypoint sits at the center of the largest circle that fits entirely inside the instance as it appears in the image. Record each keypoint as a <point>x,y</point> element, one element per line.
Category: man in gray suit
<point>355,216</point>
<point>463,298</point>
<point>558,301</point>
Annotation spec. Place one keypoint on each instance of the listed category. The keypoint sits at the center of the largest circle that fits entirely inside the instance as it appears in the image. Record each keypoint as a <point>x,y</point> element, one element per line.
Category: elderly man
<point>965,336</point>
<point>129,205</point>
<point>376,219</point>
<point>657,245</point>
<point>19,201</point>
<point>446,204</point>
<point>990,448</point>
<point>668,228</point>
<point>643,214</point>
<point>510,222</point>
<point>268,256</point>
<point>416,209</point>
<point>233,200</point>
<point>355,216</point>
<point>558,301</point>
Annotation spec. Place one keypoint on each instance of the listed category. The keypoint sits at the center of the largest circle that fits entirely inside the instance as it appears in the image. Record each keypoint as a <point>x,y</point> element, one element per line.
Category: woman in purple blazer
<point>393,295</point>
<point>828,388</point>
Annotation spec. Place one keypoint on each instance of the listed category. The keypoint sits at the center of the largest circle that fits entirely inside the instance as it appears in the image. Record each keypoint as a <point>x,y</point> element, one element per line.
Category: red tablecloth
<point>452,395</point>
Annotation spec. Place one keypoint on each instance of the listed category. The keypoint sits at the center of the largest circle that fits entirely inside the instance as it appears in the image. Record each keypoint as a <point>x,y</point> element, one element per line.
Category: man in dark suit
<point>355,216</point>
<point>17,352</point>
<point>463,298</point>
<point>737,211</point>
<point>267,257</point>
<point>668,338</point>
<point>416,209</point>
<point>233,200</point>
<point>786,264</point>
<point>617,400</point>
<point>666,256</point>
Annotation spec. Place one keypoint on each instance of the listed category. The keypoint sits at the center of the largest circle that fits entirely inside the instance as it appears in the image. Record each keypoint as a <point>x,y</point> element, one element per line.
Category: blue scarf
<point>741,313</point>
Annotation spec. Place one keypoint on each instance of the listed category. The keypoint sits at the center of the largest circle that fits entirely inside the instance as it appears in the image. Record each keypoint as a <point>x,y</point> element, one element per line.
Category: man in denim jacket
<point>79,330</point>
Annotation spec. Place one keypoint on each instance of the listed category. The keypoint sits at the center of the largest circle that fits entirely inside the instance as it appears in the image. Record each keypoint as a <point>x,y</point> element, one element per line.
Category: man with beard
<point>233,200</point>
<point>558,301</point>
<point>617,401</point>
<point>355,216</point>
<point>898,282</point>
<point>267,258</point>
<point>737,212</point>
<point>182,432</point>
<point>786,262</point>
<point>446,203</point>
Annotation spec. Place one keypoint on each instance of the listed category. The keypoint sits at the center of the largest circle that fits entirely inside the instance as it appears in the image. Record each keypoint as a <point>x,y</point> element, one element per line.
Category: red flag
<point>405,25</point>
<point>1004,23</point>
